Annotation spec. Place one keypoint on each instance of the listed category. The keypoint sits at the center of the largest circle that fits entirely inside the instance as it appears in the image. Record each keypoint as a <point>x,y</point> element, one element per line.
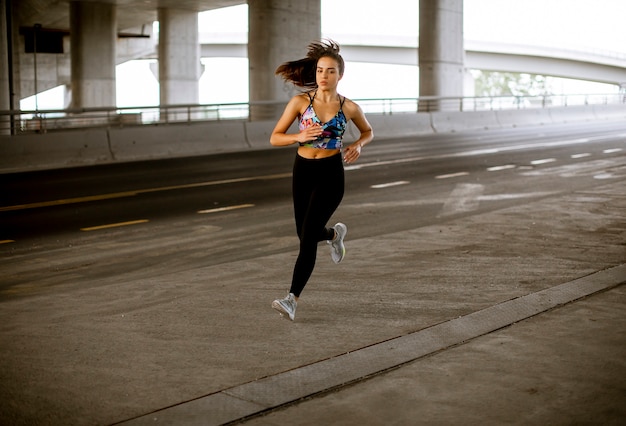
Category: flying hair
<point>302,71</point>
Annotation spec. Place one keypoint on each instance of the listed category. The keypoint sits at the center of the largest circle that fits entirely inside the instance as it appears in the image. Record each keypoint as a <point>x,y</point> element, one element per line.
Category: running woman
<point>318,174</point>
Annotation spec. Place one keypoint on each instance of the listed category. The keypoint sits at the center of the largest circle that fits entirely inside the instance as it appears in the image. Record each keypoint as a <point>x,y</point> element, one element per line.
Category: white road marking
<point>543,161</point>
<point>589,168</point>
<point>225,209</point>
<point>500,197</point>
<point>498,168</point>
<point>390,184</point>
<point>384,163</point>
<point>581,155</point>
<point>286,175</point>
<point>611,151</point>
<point>603,176</point>
<point>482,151</point>
<point>451,175</point>
<point>464,198</point>
<point>439,200</point>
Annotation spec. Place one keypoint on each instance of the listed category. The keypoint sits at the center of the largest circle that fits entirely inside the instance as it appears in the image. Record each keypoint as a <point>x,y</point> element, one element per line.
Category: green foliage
<point>494,83</point>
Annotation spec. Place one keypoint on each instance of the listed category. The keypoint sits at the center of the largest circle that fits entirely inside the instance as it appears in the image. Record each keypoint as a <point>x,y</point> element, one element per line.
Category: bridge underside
<point>133,20</point>
<point>487,60</point>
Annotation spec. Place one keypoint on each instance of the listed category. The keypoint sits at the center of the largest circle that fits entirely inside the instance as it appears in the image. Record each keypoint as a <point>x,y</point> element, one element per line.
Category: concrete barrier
<point>54,150</point>
<point>258,133</point>
<point>609,112</point>
<point>177,140</point>
<point>571,114</point>
<point>397,125</point>
<point>523,117</point>
<point>454,121</point>
<point>102,146</point>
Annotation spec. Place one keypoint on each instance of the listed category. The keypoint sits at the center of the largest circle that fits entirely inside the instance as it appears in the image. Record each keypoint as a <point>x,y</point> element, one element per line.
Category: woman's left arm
<point>366,134</point>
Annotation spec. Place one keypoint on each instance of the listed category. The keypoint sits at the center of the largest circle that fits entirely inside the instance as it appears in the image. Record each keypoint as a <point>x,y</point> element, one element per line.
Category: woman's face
<point>327,75</point>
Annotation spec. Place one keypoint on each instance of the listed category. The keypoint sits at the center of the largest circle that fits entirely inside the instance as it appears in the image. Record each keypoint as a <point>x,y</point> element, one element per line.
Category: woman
<point>318,175</point>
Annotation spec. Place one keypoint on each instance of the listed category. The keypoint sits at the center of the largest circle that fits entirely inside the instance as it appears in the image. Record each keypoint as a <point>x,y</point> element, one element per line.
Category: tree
<point>495,83</point>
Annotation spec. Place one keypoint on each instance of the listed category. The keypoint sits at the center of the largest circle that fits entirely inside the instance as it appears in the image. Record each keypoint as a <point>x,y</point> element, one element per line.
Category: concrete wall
<point>110,145</point>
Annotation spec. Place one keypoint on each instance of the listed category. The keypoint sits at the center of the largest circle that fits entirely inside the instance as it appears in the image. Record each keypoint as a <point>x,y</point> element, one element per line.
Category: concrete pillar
<point>441,51</point>
<point>179,57</point>
<point>93,28</point>
<point>4,59</point>
<point>278,31</point>
<point>5,92</point>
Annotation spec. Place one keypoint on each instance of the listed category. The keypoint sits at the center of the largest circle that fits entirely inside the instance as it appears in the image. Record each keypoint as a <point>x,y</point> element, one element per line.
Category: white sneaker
<point>286,306</point>
<point>337,248</point>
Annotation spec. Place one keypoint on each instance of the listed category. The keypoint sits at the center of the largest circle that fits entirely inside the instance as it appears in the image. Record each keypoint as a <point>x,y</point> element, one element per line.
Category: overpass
<point>592,65</point>
<point>50,20</point>
<point>91,69</point>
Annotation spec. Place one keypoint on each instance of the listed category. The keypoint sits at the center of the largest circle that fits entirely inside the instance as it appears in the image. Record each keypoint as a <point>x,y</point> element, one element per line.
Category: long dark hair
<point>302,72</point>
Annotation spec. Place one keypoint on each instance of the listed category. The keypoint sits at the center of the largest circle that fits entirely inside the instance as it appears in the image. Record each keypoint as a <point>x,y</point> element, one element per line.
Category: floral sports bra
<point>332,130</point>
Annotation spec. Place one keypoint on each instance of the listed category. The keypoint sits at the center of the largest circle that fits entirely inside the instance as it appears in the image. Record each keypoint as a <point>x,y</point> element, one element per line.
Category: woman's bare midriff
<point>316,153</point>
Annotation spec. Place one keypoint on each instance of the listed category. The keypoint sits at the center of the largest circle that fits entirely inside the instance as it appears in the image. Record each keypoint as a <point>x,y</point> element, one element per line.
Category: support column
<point>279,31</point>
<point>4,58</point>
<point>93,28</point>
<point>179,57</point>
<point>441,52</point>
<point>5,76</point>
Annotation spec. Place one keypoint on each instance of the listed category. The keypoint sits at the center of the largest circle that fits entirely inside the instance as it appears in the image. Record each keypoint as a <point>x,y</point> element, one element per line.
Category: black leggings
<point>317,191</point>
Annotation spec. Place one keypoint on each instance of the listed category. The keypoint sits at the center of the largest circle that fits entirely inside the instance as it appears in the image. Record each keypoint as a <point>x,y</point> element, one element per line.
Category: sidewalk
<point>563,366</point>
<point>514,316</point>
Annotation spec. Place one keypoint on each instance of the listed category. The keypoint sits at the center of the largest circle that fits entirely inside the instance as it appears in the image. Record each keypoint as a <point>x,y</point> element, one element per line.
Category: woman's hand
<point>310,133</point>
<point>352,153</point>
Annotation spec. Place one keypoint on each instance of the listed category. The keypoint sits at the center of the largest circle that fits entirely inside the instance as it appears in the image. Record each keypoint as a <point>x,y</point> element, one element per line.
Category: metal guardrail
<point>41,121</point>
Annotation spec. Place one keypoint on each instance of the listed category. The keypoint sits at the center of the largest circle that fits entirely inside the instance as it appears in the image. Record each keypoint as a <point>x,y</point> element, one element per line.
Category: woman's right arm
<point>280,137</point>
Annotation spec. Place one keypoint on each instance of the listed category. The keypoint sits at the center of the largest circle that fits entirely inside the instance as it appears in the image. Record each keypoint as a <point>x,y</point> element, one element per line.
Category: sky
<point>588,25</point>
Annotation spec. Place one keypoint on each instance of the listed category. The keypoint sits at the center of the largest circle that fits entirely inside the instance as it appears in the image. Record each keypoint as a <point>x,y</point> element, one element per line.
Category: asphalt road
<point>396,185</point>
<point>151,217</point>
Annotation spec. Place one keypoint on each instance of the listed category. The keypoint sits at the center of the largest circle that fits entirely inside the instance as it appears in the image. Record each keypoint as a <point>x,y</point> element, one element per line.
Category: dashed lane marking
<point>452,175</point>
<point>225,209</point>
<point>285,175</point>
<point>498,168</point>
<point>581,155</point>
<point>601,176</point>
<point>390,184</point>
<point>6,241</point>
<point>611,151</point>
<point>114,225</point>
<point>543,161</point>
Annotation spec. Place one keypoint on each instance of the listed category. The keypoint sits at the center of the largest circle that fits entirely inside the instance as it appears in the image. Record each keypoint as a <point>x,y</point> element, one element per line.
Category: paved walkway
<point>564,365</point>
